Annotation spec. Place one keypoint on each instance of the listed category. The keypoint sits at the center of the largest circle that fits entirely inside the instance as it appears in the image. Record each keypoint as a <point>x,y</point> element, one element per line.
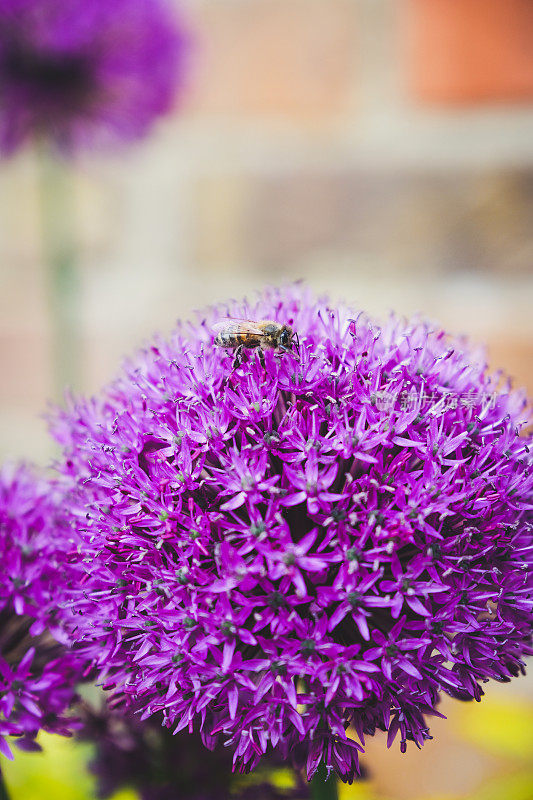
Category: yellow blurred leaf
<point>281,778</point>
<point>57,773</point>
<point>504,728</point>
<point>125,794</point>
<point>359,790</point>
<point>509,787</point>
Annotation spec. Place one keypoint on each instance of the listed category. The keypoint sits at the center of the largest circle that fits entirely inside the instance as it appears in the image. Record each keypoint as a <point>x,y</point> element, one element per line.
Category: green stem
<point>59,251</point>
<point>322,789</point>
<point>4,794</point>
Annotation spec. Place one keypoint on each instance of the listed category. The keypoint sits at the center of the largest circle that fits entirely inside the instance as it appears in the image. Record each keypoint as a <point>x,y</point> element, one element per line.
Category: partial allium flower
<point>297,554</point>
<point>37,675</point>
<point>80,73</point>
<point>147,757</point>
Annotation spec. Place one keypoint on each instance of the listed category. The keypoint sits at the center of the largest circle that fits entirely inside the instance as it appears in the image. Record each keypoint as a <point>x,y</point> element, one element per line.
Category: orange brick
<point>470,51</point>
<point>288,58</point>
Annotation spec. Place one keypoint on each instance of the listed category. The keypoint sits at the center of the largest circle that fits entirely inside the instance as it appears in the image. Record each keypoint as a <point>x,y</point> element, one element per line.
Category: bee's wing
<point>234,325</point>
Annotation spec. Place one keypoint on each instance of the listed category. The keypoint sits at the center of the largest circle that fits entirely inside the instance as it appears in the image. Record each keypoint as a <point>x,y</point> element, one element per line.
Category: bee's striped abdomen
<point>223,339</point>
<point>232,339</point>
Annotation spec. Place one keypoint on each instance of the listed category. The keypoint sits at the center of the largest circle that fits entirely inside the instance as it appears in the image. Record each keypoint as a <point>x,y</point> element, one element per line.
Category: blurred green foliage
<point>59,772</point>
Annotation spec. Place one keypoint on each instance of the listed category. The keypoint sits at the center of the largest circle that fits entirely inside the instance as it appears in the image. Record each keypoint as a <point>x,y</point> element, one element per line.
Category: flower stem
<point>59,250</point>
<point>4,794</point>
<point>322,789</point>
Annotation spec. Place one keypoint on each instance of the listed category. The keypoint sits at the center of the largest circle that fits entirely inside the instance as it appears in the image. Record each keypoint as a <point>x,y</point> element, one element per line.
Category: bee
<point>245,334</point>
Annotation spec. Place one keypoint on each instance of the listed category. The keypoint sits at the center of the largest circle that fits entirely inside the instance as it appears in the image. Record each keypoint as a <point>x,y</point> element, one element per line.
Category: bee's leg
<point>261,355</point>
<point>297,341</point>
<point>296,353</point>
<point>238,357</point>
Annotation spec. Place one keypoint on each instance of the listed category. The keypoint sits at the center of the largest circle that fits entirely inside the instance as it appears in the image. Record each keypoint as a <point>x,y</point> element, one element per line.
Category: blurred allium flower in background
<point>160,766</point>
<point>299,554</point>
<point>37,675</point>
<point>77,74</point>
<point>85,73</point>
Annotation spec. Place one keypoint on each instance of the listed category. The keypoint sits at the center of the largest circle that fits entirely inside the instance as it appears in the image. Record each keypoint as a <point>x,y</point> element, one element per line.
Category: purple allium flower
<point>80,73</point>
<point>297,554</point>
<point>160,766</point>
<point>37,675</point>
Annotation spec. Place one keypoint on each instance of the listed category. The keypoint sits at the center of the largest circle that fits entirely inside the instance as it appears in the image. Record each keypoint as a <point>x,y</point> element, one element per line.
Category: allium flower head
<point>298,553</point>
<point>79,72</point>
<point>37,675</point>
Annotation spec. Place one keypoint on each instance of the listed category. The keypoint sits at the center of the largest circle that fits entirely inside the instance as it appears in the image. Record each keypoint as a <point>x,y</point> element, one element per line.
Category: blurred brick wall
<point>382,149</point>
